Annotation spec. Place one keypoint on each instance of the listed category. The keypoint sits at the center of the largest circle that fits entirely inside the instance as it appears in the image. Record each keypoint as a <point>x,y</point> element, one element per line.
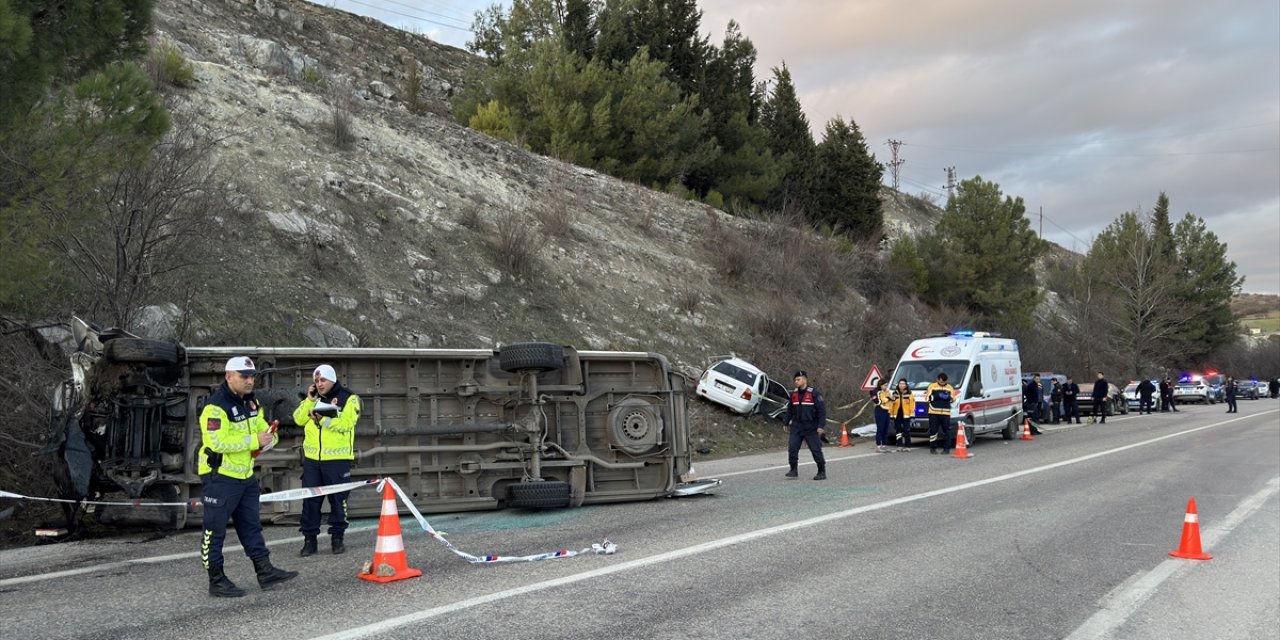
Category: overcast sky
<point>1085,108</point>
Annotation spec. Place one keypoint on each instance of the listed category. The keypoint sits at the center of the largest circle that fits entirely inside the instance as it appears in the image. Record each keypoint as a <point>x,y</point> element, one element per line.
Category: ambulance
<point>984,368</point>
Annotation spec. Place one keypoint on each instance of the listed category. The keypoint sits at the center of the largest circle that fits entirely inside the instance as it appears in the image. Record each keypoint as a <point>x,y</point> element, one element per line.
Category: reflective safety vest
<point>334,438</point>
<point>939,397</point>
<point>229,428</point>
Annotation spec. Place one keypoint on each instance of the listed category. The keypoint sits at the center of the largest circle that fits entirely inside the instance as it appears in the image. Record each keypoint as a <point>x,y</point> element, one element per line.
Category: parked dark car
<point>1117,404</point>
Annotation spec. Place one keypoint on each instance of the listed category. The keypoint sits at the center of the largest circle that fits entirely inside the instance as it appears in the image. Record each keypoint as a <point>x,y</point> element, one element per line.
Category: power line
<point>407,15</point>
<point>1173,154</point>
<point>428,12</point>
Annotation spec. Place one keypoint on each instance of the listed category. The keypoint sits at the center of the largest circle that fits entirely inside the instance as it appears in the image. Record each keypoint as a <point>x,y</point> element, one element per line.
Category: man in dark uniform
<point>233,433</point>
<point>1101,390</point>
<point>805,420</point>
<point>1032,396</point>
<point>1145,390</point>
<point>1070,401</point>
<point>1231,391</point>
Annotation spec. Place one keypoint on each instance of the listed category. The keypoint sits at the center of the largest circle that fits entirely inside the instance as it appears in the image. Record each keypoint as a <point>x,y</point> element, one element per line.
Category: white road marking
<point>713,545</point>
<point>1123,602</point>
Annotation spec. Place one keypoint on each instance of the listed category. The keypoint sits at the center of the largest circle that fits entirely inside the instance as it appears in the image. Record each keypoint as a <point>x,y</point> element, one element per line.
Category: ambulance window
<point>975,382</point>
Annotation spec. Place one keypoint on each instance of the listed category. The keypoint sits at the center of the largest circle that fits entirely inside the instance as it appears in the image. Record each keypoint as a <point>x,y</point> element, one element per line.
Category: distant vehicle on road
<point>1251,389</point>
<point>1193,391</point>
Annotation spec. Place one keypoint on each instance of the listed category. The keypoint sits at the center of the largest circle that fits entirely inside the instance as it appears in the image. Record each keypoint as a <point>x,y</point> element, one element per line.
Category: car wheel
<point>548,494</point>
<point>141,351</point>
<point>531,356</point>
<point>1010,428</point>
<point>968,434</point>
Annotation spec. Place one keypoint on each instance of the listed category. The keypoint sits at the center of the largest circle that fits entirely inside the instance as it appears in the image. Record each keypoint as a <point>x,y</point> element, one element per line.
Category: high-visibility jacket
<point>334,438</point>
<point>940,396</point>
<point>229,425</point>
<point>905,405</point>
<point>884,399</point>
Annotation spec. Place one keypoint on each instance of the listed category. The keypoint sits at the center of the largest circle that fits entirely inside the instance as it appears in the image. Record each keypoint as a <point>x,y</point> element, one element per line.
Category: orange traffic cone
<point>389,563</point>
<point>1190,547</point>
<point>1026,430</point>
<point>962,443</point>
<point>844,436</point>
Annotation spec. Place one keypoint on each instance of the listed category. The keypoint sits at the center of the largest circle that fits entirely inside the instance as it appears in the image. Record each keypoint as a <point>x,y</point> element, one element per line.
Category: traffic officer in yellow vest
<point>939,396</point>
<point>328,447</point>
<point>233,432</point>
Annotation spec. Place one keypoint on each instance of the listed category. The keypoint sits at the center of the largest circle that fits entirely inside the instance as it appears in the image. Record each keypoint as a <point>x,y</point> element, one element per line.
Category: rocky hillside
<point>404,236</point>
<point>360,214</point>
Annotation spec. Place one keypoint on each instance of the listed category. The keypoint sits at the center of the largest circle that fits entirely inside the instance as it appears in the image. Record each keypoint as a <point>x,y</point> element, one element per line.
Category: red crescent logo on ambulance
<point>916,353</point>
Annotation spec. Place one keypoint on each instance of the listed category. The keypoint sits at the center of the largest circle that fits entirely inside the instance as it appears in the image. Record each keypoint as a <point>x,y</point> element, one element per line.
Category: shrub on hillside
<point>167,66</point>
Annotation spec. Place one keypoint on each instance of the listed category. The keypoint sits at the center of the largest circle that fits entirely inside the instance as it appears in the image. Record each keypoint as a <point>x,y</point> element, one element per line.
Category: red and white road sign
<point>872,376</point>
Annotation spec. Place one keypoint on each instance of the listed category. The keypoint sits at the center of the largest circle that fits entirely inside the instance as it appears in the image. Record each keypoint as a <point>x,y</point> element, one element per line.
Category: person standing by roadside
<point>1273,388</point>
<point>328,447</point>
<point>1145,390</point>
<point>939,395</point>
<point>1167,396</point>
<point>903,408</point>
<point>805,420</point>
<point>1055,401</point>
<point>1164,395</point>
<point>1071,401</point>
<point>1101,390</point>
<point>1032,396</point>
<point>881,399</point>
<point>232,433</point>
<point>1230,392</point>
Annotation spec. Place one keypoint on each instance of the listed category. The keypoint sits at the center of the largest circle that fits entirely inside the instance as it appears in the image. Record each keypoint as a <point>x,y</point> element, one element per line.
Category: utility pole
<point>1042,222</point>
<point>896,162</point>
<point>951,182</point>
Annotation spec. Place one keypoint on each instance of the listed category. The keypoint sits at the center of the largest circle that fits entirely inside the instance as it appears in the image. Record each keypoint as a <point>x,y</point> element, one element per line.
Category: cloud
<point>1087,109</point>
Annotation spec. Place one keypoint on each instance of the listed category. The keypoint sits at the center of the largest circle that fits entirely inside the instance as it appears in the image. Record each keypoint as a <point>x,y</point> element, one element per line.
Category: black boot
<point>220,586</point>
<point>822,474</point>
<point>335,543</point>
<point>269,575</point>
<point>792,473</point>
<point>308,547</point>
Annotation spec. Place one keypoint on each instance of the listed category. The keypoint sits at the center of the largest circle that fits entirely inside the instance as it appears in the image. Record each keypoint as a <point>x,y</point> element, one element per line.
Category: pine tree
<point>1208,282</point>
<point>981,255</point>
<point>789,138</point>
<point>844,183</point>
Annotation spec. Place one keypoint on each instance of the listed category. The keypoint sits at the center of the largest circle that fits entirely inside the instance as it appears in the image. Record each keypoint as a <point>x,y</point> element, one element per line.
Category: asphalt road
<point>1066,536</point>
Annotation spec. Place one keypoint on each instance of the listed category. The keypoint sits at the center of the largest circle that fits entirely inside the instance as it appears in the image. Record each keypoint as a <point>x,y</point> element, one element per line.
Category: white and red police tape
<point>605,547</point>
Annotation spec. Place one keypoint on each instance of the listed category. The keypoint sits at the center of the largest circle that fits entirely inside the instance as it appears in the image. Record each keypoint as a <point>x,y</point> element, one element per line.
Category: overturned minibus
<point>530,425</point>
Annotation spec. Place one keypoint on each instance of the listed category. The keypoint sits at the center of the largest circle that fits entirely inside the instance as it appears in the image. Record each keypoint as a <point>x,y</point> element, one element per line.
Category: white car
<point>1195,391</point>
<point>742,387</point>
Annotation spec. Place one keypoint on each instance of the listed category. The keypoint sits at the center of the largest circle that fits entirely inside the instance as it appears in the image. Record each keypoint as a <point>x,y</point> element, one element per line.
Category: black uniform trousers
<point>228,498</point>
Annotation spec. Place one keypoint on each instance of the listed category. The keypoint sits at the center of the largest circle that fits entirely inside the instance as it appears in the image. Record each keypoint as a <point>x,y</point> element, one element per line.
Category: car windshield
<point>922,373</point>
<point>737,373</point>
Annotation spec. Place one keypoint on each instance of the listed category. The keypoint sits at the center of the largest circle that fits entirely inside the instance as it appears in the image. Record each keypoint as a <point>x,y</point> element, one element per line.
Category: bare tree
<point>151,220</point>
<point>1140,287</point>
